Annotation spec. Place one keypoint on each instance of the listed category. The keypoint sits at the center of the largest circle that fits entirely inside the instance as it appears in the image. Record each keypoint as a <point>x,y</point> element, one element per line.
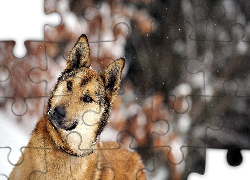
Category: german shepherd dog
<point>64,144</point>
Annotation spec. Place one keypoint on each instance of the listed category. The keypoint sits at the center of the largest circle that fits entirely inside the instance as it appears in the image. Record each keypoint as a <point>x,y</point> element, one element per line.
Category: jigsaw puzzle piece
<point>156,166</point>
<point>15,132</point>
<point>178,115</point>
<point>54,65</point>
<point>24,22</point>
<point>213,68</point>
<point>95,21</point>
<point>217,167</point>
<point>195,145</point>
<point>196,142</point>
<point>18,70</point>
<point>233,134</point>
<point>154,54</point>
<point>165,166</point>
<point>126,123</point>
<point>111,169</point>
<point>150,123</point>
<point>67,166</point>
<point>137,130</point>
<point>206,21</point>
<point>43,151</point>
<point>188,121</point>
<point>202,135</point>
<point>225,125</point>
<point>11,146</point>
<point>150,127</point>
<point>132,121</point>
<point>14,143</point>
<point>103,155</point>
<point>214,22</point>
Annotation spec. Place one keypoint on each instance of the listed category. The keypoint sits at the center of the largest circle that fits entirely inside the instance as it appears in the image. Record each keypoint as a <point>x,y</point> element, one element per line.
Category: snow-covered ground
<point>13,137</point>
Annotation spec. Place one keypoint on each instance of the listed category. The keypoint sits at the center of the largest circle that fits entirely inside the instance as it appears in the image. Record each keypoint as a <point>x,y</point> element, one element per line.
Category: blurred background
<point>185,86</point>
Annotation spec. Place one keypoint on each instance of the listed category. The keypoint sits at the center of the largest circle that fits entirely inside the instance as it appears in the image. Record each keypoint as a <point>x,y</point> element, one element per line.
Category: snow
<point>12,138</point>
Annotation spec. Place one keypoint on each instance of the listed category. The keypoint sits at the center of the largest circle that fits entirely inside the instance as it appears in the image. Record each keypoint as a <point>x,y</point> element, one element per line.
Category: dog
<point>64,143</point>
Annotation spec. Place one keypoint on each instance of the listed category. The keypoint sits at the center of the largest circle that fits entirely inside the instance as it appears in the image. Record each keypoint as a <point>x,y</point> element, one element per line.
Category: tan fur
<point>64,143</point>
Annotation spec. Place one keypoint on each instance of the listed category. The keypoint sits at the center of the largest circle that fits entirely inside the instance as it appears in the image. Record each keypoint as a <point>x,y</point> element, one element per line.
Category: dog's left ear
<point>112,78</point>
<point>79,56</point>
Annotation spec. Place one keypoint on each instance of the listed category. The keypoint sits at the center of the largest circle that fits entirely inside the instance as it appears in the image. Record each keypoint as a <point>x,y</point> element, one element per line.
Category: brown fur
<point>64,143</point>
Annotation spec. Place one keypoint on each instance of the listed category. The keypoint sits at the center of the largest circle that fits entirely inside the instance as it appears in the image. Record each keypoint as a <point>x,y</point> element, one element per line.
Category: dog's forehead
<point>88,72</point>
<point>84,74</point>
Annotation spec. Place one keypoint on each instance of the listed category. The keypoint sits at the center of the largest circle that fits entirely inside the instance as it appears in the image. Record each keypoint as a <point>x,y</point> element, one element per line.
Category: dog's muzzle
<point>57,118</point>
<point>58,113</point>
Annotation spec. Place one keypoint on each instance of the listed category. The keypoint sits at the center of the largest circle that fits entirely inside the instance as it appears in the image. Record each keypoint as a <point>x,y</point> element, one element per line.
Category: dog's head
<point>79,105</point>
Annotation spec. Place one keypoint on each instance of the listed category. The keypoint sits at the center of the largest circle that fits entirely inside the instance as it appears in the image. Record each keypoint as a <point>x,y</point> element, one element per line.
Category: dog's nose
<point>59,113</point>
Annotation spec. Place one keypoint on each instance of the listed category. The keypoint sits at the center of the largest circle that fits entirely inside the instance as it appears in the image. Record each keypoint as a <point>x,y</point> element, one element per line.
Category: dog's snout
<point>59,113</point>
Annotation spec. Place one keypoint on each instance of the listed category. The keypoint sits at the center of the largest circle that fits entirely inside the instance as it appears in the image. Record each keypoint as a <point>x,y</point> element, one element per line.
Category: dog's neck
<point>41,142</point>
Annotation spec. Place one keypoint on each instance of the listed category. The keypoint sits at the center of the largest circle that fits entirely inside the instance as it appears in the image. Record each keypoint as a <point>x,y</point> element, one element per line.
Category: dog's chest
<point>64,166</point>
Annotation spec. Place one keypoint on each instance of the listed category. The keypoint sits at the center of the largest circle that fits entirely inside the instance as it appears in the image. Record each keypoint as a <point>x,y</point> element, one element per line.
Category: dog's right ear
<point>112,78</point>
<point>79,56</point>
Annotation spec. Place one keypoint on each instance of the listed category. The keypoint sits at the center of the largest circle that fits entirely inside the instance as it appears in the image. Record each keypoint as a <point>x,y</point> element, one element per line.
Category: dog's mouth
<point>62,125</point>
<point>72,127</point>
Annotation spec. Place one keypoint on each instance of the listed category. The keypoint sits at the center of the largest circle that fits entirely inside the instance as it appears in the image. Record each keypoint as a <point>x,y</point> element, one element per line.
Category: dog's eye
<point>69,85</point>
<point>87,99</point>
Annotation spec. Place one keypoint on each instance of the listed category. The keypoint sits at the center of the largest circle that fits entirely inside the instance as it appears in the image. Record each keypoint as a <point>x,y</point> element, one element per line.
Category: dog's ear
<point>79,56</point>
<point>112,78</point>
